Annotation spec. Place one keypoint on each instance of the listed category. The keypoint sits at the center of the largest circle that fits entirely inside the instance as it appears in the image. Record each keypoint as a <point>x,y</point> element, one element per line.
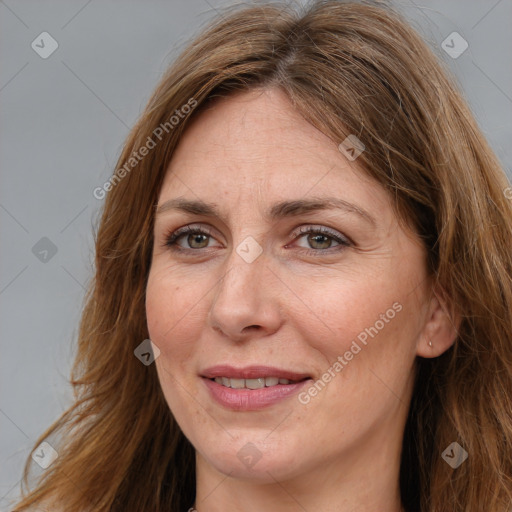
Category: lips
<point>258,383</point>
<point>253,387</point>
<point>253,372</point>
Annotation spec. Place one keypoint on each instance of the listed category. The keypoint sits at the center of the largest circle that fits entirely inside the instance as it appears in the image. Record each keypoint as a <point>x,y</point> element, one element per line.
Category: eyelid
<point>324,230</point>
<point>170,240</point>
<point>172,235</point>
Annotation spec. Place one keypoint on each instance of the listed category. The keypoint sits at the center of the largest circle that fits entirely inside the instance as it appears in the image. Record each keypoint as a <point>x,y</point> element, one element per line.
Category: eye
<point>320,239</point>
<point>194,237</point>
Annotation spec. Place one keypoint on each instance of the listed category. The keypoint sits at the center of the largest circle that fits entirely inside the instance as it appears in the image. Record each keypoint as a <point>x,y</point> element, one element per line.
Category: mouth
<point>251,388</point>
<point>258,383</point>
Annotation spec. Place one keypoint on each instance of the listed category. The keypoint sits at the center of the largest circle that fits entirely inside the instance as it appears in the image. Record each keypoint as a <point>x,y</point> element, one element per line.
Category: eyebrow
<point>279,210</point>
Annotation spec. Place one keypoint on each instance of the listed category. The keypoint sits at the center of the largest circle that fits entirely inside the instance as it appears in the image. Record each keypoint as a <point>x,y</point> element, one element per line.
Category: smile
<point>258,383</point>
<point>251,388</point>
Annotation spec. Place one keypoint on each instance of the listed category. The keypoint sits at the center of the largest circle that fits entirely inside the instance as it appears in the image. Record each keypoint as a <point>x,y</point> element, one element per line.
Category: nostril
<point>250,327</point>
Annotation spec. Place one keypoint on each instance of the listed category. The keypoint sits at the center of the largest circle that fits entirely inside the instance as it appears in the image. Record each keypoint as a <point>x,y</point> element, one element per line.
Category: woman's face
<point>294,268</point>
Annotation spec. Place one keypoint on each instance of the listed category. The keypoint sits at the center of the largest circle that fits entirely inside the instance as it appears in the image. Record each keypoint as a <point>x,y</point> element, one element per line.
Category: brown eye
<point>194,237</point>
<point>319,241</point>
<point>197,238</point>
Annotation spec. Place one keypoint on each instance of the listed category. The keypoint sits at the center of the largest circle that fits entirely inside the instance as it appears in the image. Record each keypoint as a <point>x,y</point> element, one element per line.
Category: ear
<point>441,327</point>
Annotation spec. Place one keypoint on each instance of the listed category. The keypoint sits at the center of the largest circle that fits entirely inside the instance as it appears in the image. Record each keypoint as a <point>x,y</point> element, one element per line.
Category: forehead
<point>255,145</point>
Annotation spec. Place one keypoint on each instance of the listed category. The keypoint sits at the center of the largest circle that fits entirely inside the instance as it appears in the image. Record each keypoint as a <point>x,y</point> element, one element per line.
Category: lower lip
<point>251,399</point>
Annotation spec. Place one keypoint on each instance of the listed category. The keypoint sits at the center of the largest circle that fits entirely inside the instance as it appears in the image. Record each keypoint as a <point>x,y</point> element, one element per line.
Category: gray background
<point>63,122</point>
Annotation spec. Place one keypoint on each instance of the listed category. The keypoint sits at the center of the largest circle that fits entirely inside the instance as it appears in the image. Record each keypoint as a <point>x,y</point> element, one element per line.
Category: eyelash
<point>172,238</point>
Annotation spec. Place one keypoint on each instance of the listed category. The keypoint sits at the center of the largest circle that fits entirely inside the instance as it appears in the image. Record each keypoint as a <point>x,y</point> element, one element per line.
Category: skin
<point>288,308</point>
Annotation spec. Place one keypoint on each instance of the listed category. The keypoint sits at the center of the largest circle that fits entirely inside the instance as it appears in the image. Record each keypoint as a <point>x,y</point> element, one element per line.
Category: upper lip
<point>252,372</point>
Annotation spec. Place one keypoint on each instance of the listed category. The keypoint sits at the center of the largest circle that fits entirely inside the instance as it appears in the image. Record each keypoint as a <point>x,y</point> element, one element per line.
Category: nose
<point>245,302</point>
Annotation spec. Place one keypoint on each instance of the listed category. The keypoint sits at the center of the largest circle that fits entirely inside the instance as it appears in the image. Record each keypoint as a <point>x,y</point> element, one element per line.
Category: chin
<point>247,460</point>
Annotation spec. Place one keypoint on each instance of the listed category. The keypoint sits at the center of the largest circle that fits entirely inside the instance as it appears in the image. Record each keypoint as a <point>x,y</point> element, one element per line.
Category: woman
<point>310,228</point>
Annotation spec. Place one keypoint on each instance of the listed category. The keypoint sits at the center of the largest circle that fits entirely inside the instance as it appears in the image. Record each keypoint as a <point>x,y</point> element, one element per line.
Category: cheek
<point>337,312</point>
<point>171,308</point>
<point>364,339</point>
<point>369,319</point>
<point>170,313</point>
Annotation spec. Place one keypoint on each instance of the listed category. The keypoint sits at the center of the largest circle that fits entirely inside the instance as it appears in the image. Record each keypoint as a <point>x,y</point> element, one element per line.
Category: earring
<point>430,343</point>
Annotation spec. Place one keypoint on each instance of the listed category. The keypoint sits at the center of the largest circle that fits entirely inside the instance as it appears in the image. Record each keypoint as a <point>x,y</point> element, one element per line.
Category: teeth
<point>238,383</point>
<point>251,383</point>
<point>255,383</point>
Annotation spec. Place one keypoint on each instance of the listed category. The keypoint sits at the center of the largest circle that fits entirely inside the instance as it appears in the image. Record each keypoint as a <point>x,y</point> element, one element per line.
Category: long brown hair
<point>348,68</point>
